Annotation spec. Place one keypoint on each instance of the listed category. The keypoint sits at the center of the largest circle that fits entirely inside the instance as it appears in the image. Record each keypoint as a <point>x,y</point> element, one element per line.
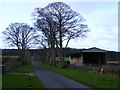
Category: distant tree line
<point>10,52</point>
<point>112,55</point>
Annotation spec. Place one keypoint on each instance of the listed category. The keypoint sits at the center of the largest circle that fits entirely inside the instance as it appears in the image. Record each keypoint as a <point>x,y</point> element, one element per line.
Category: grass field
<point>0,81</point>
<point>91,79</point>
<point>21,81</point>
<point>25,68</point>
<point>10,59</point>
<point>9,56</point>
<point>113,62</point>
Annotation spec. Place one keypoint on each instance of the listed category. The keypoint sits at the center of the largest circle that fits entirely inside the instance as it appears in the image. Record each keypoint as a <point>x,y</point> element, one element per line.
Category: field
<point>91,79</point>
<point>19,80</point>
<point>11,62</point>
<point>0,81</point>
<point>8,58</point>
<point>94,80</point>
<point>113,62</point>
<point>23,69</point>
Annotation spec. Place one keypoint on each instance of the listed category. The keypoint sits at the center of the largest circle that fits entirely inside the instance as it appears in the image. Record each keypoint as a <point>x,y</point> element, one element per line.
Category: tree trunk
<point>62,65</point>
<point>27,57</point>
<point>48,55</point>
<point>53,57</point>
<point>61,46</point>
<point>22,57</point>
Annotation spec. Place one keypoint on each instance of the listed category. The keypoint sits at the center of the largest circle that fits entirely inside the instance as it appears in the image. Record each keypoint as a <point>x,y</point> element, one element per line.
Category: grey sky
<point>101,17</point>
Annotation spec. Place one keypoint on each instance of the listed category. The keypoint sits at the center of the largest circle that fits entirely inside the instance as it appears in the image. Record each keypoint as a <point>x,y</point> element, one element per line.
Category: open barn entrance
<point>94,56</point>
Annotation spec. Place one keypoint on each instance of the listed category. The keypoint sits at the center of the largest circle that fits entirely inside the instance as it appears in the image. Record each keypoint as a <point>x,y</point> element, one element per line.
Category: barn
<point>75,58</point>
<point>93,56</point>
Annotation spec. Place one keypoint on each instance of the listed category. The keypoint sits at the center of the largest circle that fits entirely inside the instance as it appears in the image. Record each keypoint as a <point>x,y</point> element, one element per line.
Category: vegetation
<point>55,24</point>
<point>21,81</point>
<point>10,57</point>
<point>41,52</point>
<point>26,68</point>
<point>58,23</point>
<point>113,62</point>
<point>91,79</point>
<point>11,62</point>
<point>7,59</point>
<point>19,35</point>
<point>0,81</point>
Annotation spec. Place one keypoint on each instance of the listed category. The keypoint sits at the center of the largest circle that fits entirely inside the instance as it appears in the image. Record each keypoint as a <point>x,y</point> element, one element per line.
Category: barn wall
<point>75,59</point>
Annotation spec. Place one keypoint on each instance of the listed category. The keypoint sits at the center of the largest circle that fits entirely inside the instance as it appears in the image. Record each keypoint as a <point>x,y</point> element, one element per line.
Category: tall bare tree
<point>45,24</point>
<point>62,24</point>
<point>19,35</point>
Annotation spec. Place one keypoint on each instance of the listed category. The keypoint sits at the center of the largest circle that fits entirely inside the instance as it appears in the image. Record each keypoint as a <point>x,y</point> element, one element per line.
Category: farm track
<point>53,80</point>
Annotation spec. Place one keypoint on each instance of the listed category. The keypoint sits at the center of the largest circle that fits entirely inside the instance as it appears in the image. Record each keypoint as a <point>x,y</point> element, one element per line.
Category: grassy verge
<point>0,81</point>
<point>9,56</point>
<point>21,81</point>
<point>25,68</point>
<point>10,62</point>
<point>91,79</point>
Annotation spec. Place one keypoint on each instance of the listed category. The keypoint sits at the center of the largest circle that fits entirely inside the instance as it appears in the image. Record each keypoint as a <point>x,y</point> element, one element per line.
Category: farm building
<point>76,57</point>
<point>89,56</point>
<point>94,56</point>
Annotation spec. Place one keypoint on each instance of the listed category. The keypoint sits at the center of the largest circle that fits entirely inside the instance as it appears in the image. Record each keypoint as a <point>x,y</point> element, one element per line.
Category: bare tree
<point>43,43</point>
<point>46,25</point>
<point>62,24</point>
<point>19,35</point>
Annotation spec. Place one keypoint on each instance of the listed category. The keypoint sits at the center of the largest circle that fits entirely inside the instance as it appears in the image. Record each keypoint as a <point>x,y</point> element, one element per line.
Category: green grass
<point>91,79</point>
<point>21,81</point>
<point>0,81</point>
<point>25,68</point>
<point>112,62</point>
<point>10,57</point>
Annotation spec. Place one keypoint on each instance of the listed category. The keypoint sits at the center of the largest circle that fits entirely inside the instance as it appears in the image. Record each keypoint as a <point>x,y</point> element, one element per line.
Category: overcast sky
<point>101,17</point>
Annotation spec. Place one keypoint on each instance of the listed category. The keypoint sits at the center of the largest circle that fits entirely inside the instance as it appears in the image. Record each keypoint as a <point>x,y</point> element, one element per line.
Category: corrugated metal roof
<point>94,49</point>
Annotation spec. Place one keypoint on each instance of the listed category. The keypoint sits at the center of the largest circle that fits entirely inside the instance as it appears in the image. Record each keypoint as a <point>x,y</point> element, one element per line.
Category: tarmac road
<point>54,80</point>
